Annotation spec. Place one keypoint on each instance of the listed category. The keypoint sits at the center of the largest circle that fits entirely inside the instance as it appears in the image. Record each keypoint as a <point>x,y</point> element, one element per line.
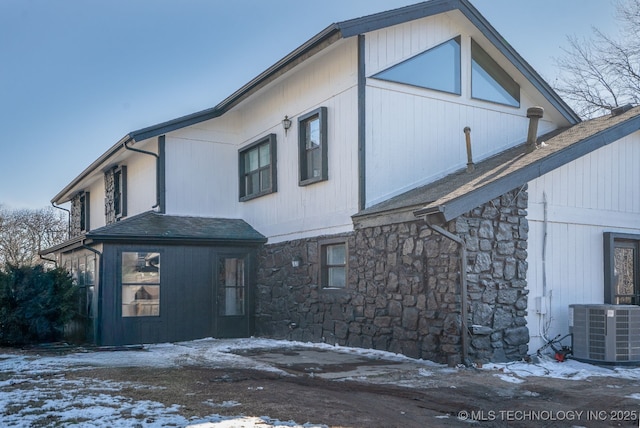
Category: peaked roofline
<point>328,36</point>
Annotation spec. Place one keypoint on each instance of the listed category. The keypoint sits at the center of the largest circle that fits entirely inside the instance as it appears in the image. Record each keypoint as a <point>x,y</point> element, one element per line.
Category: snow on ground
<point>569,370</point>
<point>39,386</point>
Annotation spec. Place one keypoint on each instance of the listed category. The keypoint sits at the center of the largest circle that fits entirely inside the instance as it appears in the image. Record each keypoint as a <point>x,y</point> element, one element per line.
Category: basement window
<point>622,269</point>
<point>140,284</point>
<point>333,263</point>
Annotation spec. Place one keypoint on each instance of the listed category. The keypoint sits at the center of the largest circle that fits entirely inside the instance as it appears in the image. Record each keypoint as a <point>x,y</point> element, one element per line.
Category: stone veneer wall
<point>496,238</point>
<point>403,292</point>
<point>109,199</point>
<point>74,217</point>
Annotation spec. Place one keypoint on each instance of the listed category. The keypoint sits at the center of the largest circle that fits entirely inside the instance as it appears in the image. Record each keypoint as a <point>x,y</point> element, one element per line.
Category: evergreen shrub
<point>35,304</point>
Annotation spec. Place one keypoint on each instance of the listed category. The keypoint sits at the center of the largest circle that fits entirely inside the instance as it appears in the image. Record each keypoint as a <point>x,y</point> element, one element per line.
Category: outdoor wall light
<point>296,262</point>
<point>286,123</point>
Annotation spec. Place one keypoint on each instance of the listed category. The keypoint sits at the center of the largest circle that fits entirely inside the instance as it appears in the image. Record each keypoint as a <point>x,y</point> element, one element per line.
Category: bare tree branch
<point>603,72</point>
<point>24,233</point>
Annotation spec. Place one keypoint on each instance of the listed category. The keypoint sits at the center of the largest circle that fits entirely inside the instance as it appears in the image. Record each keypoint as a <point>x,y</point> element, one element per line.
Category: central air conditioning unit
<point>608,334</point>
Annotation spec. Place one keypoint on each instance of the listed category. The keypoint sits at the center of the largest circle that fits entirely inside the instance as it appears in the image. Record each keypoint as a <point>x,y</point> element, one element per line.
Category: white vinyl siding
<point>415,136</point>
<point>594,194</point>
<point>202,160</point>
<point>96,204</point>
<point>141,180</point>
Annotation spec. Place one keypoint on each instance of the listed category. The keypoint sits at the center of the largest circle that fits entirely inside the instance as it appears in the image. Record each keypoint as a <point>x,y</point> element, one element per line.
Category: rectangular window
<point>622,268</point>
<point>84,212</point>
<point>258,175</point>
<point>140,284</point>
<point>333,264</point>
<point>312,146</point>
<point>120,191</point>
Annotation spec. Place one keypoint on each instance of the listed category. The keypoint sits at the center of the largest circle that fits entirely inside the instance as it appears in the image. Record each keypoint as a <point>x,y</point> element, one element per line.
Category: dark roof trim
<point>58,199</point>
<point>421,10</point>
<point>323,39</point>
<point>154,227</point>
<point>311,47</point>
<point>319,42</point>
<point>353,27</point>
<point>175,240</point>
<point>523,66</point>
<point>68,245</point>
<point>481,195</point>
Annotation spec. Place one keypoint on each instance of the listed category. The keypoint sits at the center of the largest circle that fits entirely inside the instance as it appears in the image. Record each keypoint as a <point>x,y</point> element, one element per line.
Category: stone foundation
<point>403,292</point>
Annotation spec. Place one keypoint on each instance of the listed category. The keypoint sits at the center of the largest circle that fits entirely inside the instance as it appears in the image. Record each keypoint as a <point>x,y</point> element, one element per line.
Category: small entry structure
<point>158,278</point>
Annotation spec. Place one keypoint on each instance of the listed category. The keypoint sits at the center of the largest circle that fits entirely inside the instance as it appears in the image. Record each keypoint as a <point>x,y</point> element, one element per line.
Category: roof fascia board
<point>311,47</point>
<point>319,42</point>
<point>328,36</point>
<point>58,199</point>
<point>398,16</point>
<point>174,124</point>
<point>477,197</point>
<point>175,240</point>
<point>68,245</point>
<point>353,27</point>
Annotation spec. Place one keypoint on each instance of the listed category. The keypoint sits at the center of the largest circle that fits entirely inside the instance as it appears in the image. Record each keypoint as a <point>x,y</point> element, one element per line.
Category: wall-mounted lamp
<point>296,262</point>
<point>286,123</point>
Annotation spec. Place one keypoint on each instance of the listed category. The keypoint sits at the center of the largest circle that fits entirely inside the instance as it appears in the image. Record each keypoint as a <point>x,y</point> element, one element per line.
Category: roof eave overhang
<point>328,36</point>
<point>175,240</point>
<point>323,39</point>
<point>354,27</point>
<point>65,194</point>
<point>398,16</point>
<point>476,18</point>
<point>320,41</point>
<point>68,245</point>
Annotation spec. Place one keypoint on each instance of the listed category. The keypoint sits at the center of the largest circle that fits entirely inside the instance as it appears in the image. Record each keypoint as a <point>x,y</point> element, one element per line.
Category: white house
<point>374,188</point>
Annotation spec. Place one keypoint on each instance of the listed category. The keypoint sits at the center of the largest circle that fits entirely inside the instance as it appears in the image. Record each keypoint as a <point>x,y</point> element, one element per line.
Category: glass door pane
<point>231,286</point>
<point>625,272</point>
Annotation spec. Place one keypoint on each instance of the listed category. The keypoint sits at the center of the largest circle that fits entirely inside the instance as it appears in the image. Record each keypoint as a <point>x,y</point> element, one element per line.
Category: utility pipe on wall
<point>463,286</point>
<point>155,155</point>
<point>467,134</point>
<point>68,218</point>
<point>534,114</point>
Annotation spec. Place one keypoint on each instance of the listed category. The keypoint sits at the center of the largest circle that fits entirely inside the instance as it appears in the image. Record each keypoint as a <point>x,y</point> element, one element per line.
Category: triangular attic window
<point>489,82</point>
<point>438,68</point>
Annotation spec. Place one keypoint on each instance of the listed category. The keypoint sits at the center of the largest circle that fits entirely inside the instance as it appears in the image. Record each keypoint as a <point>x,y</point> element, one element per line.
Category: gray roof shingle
<point>152,226</point>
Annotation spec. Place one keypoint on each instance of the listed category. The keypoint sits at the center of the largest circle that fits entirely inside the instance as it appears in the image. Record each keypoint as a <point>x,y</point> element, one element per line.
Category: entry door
<point>232,297</point>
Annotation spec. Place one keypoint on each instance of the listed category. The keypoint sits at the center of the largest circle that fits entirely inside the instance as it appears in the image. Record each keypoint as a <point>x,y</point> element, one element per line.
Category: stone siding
<point>496,236</point>
<point>75,228</point>
<point>109,199</point>
<point>403,292</point>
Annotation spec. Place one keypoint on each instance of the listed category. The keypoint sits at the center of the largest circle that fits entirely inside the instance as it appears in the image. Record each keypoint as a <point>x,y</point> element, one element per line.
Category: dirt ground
<point>449,397</point>
<point>358,404</point>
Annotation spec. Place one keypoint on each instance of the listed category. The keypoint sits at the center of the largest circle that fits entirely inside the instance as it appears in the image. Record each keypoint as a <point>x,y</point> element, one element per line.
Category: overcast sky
<point>78,75</point>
